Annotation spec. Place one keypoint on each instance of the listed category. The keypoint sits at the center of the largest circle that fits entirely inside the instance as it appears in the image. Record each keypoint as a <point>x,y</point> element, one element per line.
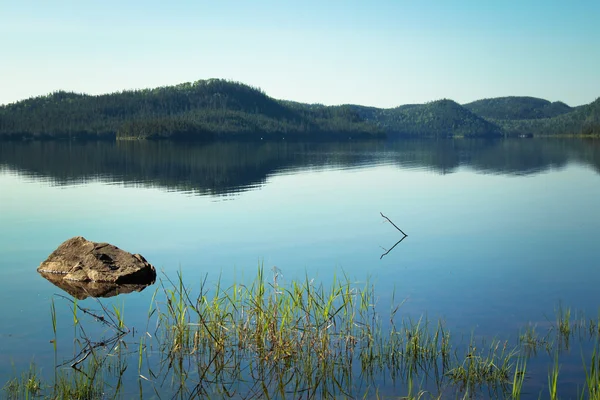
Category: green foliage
<point>216,108</point>
<point>268,338</point>
<point>517,108</point>
<point>26,386</point>
<point>582,121</point>
<point>200,110</point>
<point>442,118</point>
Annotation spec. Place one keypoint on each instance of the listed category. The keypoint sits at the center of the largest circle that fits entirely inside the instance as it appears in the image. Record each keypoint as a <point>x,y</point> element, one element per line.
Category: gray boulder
<point>80,260</point>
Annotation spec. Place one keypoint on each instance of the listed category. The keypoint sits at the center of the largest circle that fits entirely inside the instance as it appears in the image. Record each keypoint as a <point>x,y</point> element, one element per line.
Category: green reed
<point>553,379</point>
<point>26,386</point>
<point>489,365</point>
<point>69,384</point>
<point>307,335</point>
<point>272,339</point>
<point>518,379</point>
<point>75,385</point>
<point>592,375</point>
<point>532,341</point>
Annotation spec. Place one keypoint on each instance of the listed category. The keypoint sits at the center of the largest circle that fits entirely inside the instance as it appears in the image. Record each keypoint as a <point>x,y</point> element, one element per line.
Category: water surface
<point>498,232</point>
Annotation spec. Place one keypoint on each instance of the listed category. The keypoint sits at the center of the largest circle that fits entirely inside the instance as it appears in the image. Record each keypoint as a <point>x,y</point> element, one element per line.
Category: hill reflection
<point>229,167</point>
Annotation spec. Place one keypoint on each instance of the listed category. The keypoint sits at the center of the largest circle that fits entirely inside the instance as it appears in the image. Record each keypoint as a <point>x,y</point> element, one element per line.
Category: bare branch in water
<point>104,316</point>
<point>390,221</point>
<point>398,242</point>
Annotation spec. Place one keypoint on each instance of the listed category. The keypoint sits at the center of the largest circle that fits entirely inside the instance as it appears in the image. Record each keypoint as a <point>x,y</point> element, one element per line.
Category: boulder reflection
<point>83,290</point>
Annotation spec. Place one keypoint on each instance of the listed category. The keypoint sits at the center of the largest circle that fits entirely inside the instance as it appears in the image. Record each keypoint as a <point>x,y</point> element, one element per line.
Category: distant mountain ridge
<point>515,107</point>
<point>582,120</point>
<point>445,117</point>
<point>217,108</point>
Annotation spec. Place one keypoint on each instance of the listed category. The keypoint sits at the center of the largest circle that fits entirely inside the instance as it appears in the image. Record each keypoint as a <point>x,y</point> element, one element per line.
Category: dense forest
<point>200,110</point>
<point>215,108</point>
<point>517,108</point>
<point>583,120</point>
<point>442,118</point>
<point>538,117</point>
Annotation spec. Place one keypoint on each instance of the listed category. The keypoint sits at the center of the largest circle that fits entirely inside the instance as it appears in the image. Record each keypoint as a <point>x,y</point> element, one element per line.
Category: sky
<point>377,53</point>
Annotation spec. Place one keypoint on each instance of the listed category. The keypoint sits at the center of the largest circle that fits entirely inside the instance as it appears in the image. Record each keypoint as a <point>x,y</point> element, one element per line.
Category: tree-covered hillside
<point>583,120</point>
<point>215,108</point>
<point>200,110</point>
<point>442,118</point>
<point>517,108</point>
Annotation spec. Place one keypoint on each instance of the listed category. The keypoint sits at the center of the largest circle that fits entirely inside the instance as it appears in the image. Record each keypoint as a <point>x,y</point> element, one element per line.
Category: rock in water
<point>80,260</point>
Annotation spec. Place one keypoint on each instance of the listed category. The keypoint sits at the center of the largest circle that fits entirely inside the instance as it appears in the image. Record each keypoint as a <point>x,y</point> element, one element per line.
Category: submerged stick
<point>397,243</point>
<point>390,221</point>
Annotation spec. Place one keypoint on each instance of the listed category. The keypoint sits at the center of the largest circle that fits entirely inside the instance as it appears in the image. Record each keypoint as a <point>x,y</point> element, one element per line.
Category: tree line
<point>199,110</point>
<point>216,108</point>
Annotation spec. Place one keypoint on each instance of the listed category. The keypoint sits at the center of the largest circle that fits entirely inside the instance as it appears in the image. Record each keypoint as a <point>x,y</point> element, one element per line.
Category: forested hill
<point>444,117</point>
<point>517,108</point>
<point>200,110</point>
<point>582,120</point>
<point>216,108</point>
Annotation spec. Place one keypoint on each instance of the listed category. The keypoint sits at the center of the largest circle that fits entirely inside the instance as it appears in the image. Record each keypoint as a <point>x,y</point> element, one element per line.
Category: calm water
<point>498,232</point>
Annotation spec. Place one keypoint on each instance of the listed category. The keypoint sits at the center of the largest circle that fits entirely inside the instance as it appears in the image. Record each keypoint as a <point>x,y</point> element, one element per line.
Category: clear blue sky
<point>380,53</point>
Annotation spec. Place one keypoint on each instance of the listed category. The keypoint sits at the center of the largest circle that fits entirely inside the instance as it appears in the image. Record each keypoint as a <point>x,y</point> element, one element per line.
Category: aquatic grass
<point>553,379</point>
<point>119,315</point>
<point>176,314</point>
<point>69,384</point>
<point>532,342</point>
<point>55,337</point>
<point>53,316</point>
<point>27,386</point>
<point>304,326</point>
<point>308,335</point>
<point>592,375</point>
<point>300,339</point>
<point>563,323</point>
<point>593,327</point>
<point>85,384</point>
<point>490,366</point>
<point>414,392</point>
<point>518,378</point>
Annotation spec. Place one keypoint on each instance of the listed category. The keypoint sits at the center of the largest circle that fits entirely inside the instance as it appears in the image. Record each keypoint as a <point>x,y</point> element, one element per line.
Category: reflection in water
<point>83,290</point>
<point>482,254</point>
<point>230,167</point>
<point>404,235</point>
<point>387,251</point>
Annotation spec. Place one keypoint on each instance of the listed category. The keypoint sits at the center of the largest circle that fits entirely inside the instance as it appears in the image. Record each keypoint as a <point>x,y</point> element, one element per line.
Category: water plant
<point>532,341</point>
<point>305,338</point>
<point>553,379</point>
<point>592,375</point>
<point>275,339</point>
<point>26,386</point>
<point>490,365</point>
<point>518,378</point>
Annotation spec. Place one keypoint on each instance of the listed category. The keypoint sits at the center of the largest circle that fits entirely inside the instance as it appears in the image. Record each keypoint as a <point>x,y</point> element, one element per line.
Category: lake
<point>500,233</point>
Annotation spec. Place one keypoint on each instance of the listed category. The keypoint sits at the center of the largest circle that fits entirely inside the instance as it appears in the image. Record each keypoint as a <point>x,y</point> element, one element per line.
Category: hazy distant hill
<point>583,120</point>
<point>440,118</point>
<point>216,108</point>
<point>505,108</point>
